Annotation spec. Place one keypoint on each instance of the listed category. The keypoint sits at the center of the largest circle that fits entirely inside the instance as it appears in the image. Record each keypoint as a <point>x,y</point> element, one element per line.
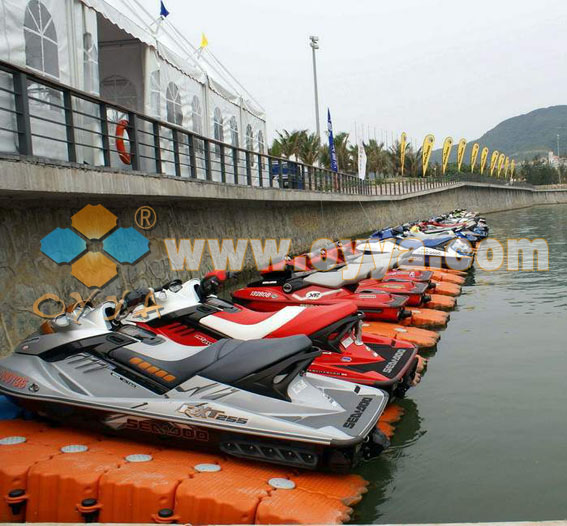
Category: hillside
<point>522,137</point>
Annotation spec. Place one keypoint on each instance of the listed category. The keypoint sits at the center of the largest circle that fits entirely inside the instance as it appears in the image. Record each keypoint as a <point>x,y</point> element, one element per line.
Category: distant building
<point>555,160</point>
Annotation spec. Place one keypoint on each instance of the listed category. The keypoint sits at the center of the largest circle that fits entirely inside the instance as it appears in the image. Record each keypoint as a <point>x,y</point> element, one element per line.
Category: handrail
<point>59,115</point>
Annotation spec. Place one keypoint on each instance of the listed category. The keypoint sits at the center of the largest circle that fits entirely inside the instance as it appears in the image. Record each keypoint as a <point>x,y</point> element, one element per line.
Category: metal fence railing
<point>43,118</point>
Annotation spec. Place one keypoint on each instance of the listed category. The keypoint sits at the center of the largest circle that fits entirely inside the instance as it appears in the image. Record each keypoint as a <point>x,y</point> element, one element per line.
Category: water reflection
<point>381,471</point>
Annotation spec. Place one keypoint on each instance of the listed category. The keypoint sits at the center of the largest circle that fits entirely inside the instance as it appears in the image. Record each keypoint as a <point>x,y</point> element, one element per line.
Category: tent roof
<point>131,16</point>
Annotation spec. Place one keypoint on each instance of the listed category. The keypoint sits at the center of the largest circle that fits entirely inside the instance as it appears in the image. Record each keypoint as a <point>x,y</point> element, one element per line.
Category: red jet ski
<point>287,287</point>
<point>192,315</point>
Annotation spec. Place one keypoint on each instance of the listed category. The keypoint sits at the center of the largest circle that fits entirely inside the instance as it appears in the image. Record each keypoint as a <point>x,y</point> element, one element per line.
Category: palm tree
<point>412,166</point>
<point>309,148</point>
<point>377,158</point>
<point>344,159</point>
<point>289,143</point>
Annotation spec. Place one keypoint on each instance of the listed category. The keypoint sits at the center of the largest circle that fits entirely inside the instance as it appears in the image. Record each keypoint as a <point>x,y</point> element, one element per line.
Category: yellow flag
<point>512,168</point>
<point>506,167</point>
<point>204,41</point>
<point>483,158</point>
<point>493,161</point>
<point>426,150</point>
<point>461,153</point>
<point>447,145</point>
<point>474,155</point>
<point>501,160</point>
<point>403,145</point>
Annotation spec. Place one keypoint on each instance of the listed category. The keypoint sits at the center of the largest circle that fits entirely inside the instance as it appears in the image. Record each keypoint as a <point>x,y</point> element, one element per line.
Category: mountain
<point>522,137</point>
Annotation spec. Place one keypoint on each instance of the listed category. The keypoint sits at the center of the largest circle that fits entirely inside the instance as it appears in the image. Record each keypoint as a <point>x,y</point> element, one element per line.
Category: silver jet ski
<point>251,399</point>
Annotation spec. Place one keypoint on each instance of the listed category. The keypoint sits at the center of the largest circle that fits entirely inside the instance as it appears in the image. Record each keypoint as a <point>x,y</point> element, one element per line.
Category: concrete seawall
<point>37,198</point>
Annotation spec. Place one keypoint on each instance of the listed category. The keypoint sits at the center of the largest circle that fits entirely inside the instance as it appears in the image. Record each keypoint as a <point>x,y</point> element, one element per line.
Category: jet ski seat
<point>335,279</point>
<point>226,361</point>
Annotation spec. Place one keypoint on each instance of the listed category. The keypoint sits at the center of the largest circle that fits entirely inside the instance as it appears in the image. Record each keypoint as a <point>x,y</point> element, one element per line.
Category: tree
<point>287,144</point>
<point>344,160</point>
<point>377,158</point>
<point>309,147</point>
<point>539,172</point>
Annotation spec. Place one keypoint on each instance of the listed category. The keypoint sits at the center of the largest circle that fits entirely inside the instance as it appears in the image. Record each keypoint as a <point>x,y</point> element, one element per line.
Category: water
<point>484,438</point>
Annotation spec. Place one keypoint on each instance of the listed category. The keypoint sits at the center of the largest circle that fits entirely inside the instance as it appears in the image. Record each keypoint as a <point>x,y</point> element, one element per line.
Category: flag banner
<point>474,155</point>
<point>361,159</point>
<point>501,160</point>
<point>163,10</point>
<point>461,153</point>
<point>332,151</point>
<point>426,150</point>
<point>483,159</point>
<point>447,145</point>
<point>403,146</point>
<point>506,166</point>
<point>493,161</point>
<point>512,168</point>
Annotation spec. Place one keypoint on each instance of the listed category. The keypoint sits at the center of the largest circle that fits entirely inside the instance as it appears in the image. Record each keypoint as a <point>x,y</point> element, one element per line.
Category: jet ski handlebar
<point>211,282</point>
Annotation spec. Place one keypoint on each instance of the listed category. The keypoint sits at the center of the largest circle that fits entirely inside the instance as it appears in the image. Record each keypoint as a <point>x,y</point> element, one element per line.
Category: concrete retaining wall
<point>37,198</point>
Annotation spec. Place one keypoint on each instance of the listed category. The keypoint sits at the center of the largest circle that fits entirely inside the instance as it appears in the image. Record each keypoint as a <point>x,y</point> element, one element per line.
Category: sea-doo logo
<point>94,269</point>
<point>263,294</point>
<point>355,417</point>
<point>206,412</point>
<point>394,361</point>
<point>167,429</point>
<point>12,379</point>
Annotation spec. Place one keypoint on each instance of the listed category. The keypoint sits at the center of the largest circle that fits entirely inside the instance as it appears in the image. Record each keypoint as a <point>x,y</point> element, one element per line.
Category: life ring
<point>121,128</point>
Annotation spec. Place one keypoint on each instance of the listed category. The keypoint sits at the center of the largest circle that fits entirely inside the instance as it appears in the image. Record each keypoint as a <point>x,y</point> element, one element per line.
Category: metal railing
<point>43,118</point>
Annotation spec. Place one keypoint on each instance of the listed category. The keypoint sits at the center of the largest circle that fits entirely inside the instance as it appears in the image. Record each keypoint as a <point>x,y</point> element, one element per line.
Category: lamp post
<point>314,43</point>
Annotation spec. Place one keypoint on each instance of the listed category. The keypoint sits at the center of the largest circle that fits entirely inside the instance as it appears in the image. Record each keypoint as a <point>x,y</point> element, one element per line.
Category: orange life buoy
<point>122,127</point>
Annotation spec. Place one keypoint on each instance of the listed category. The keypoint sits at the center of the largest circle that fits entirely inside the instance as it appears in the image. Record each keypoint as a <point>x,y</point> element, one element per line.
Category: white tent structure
<point>128,56</point>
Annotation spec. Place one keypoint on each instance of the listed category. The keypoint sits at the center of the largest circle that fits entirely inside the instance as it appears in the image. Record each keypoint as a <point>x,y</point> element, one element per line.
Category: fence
<point>43,118</point>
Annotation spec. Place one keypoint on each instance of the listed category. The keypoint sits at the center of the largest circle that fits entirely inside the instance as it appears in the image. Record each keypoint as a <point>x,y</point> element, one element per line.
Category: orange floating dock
<point>59,475</point>
<point>446,288</point>
<point>426,318</point>
<point>441,302</point>
<point>424,338</point>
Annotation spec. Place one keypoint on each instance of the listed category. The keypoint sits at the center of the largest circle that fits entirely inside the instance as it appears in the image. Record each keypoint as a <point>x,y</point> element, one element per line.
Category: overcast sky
<point>421,66</point>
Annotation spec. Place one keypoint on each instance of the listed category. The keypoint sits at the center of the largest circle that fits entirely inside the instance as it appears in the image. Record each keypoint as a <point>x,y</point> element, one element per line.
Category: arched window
<point>233,131</point>
<point>218,131</point>
<point>249,138</point>
<point>41,39</point>
<point>90,64</point>
<point>155,93</point>
<point>260,142</point>
<point>173,104</point>
<point>250,143</point>
<point>197,115</point>
<point>119,90</point>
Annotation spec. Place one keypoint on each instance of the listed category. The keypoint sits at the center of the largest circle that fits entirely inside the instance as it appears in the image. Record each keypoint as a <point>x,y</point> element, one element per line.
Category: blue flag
<point>162,10</point>
<point>332,151</point>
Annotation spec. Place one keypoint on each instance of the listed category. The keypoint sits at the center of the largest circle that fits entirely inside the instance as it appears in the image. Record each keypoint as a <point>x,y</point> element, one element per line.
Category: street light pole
<point>314,43</point>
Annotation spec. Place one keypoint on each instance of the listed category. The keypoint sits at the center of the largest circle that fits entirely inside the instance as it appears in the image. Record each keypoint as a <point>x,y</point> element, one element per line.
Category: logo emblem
<point>94,223</point>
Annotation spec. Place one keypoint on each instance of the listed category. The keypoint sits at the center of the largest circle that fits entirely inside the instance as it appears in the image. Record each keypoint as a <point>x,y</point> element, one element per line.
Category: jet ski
<point>338,256</point>
<point>191,314</point>
<point>285,286</point>
<point>249,399</point>
<point>450,253</point>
